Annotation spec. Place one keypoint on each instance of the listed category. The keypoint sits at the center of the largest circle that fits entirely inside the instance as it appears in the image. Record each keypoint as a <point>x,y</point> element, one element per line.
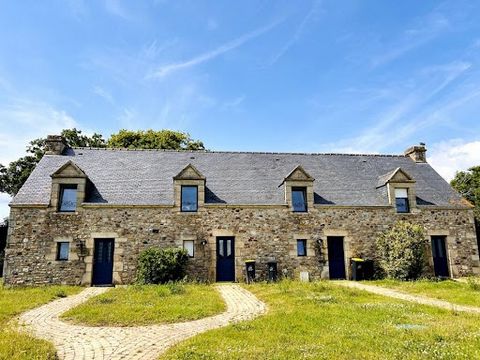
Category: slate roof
<point>139,177</point>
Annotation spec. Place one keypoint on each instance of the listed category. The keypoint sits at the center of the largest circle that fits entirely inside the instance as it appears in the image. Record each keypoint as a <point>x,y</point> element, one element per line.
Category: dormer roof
<point>189,172</point>
<point>395,176</point>
<point>298,174</point>
<point>69,170</point>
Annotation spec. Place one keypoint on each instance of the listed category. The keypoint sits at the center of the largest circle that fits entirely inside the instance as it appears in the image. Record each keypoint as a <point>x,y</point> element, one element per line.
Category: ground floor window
<point>189,245</point>
<point>63,249</point>
<point>301,247</point>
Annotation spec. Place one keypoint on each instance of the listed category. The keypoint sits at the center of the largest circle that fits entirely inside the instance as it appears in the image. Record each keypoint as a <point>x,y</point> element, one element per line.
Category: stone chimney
<point>54,145</point>
<point>417,153</point>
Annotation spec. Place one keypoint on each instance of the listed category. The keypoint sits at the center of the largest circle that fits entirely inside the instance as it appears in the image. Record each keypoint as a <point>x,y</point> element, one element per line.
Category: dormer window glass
<point>401,200</point>
<point>299,199</point>
<point>68,198</point>
<point>189,198</point>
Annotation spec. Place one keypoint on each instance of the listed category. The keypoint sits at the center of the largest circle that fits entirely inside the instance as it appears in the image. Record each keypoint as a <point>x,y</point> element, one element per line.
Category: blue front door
<point>103,262</point>
<point>439,253</point>
<point>336,257</point>
<point>225,258</point>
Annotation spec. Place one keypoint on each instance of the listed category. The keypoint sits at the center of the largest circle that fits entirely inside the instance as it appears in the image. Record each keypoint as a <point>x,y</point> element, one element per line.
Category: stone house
<point>84,215</point>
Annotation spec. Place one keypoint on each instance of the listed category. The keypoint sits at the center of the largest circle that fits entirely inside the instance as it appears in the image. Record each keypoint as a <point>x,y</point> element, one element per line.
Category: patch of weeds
<point>325,299</point>
<point>285,286</point>
<point>474,283</point>
<point>243,326</point>
<point>162,291</point>
<point>105,300</point>
<point>319,286</point>
<point>61,293</point>
<point>176,288</point>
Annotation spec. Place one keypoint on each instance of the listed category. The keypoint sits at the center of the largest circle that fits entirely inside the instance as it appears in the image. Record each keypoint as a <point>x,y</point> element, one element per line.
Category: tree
<point>467,183</point>
<point>13,176</point>
<point>16,173</point>
<point>401,251</point>
<point>151,139</point>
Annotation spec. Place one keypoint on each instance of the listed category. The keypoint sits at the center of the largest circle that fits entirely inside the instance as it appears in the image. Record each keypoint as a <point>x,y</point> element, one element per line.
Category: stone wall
<point>262,233</point>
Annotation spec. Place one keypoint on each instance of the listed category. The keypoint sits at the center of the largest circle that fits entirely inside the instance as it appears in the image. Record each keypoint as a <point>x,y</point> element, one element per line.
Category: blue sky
<point>304,76</point>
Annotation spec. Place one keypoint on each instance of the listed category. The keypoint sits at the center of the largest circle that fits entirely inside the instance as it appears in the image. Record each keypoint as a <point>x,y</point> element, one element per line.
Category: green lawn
<point>449,290</point>
<point>325,321</point>
<point>15,345</point>
<point>148,304</point>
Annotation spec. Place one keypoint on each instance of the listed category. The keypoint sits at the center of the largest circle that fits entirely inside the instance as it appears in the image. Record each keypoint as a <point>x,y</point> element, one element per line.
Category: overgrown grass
<point>18,345</point>
<point>325,321</point>
<point>148,304</point>
<point>454,291</point>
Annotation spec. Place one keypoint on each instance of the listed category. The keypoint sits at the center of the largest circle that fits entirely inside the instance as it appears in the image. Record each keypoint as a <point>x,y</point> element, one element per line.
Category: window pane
<point>189,198</point>
<point>220,248</point>
<point>401,193</point>
<point>302,247</point>
<point>62,250</point>
<point>229,248</point>
<point>298,200</point>
<point>189,246</point>
<point>68,199</point>
<point>402,205</point>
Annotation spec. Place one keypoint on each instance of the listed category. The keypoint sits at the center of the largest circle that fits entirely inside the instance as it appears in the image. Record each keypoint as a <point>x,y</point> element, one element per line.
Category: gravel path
<point>408,297</point>
<point>141,342</point>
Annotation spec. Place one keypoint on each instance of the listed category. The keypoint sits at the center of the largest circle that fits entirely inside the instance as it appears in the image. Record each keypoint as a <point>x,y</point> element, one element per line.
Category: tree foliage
<point>151,139</point>
<point>13,176</point>
<point>467,183</point>
<point>160,266</point>
<point>401,251</point>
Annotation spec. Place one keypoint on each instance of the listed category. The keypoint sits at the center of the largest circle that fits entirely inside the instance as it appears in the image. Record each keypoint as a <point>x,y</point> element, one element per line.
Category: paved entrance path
<point>141,342</point>
<point>413,298</point>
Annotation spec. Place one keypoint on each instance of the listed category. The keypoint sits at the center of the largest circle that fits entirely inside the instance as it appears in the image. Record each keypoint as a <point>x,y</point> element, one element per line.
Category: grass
<point>325,321</point>
<point>449,290</point>
<point>148,304</point>
<point>18,345</point>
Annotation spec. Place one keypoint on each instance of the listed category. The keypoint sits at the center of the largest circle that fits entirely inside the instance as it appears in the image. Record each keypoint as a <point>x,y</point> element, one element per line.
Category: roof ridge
<point>237,152</point>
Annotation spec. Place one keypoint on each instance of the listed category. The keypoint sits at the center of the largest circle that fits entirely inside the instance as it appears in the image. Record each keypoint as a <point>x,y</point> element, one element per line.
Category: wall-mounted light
<point>203,242</point>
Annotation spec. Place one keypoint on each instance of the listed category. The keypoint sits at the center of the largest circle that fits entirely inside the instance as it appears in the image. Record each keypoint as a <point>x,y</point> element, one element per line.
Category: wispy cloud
<point>420,33</point>
<point>450,156</point>
<point>22,120</point>
<point>210,55</point>
<point>233,103</point>
<point>116,8</point>
<point>418,108</point>
<point>298,31</point>
<point>98,90</point>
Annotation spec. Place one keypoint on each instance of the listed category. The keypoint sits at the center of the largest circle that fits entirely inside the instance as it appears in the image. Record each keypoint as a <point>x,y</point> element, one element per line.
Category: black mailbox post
<point>250,270</point>
<point>272,271</point>
<point>357,268</point>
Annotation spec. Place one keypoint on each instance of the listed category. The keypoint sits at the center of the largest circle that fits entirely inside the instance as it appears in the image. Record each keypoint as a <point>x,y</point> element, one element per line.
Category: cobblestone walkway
<point>408,297</point>
<point>141,342</point>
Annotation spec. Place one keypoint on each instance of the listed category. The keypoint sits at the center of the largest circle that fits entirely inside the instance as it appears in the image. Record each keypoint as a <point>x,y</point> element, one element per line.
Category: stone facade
<point>262,233</point>
<point>48,246</point>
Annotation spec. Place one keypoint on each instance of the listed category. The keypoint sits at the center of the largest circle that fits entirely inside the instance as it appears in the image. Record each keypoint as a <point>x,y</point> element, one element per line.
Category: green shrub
<point>159,266</point>
<point>400,251</point>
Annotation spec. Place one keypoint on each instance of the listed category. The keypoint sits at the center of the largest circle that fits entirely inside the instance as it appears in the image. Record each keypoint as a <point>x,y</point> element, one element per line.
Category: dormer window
<point>189,198</point>
<point>299,199</point>
<point>68,188</point>
<point>68,198</point>
<point>401,200</point>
